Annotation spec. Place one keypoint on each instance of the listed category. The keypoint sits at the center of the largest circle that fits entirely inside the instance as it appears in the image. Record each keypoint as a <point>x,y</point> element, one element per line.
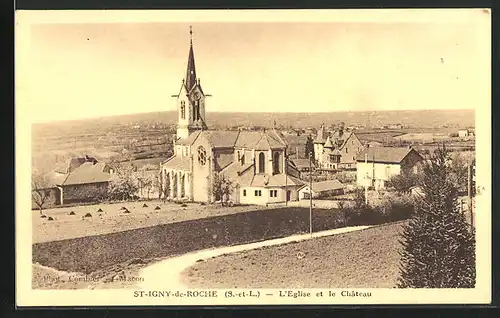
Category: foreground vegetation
<point>362,259</point>
<point>439,244</point>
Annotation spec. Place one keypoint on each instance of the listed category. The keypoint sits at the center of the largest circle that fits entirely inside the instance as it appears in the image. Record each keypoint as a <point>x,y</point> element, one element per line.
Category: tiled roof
<point>292,170</point>
<point>384,154</point>
<point>73,163</point>
<point>260,140</point>
<point>278,180</point>
<point>277,137</point>
<point>189,140</point>
<point>223,160</point>
<point>345,138</point>
<point>88,173</point>
<point>78,170</point>
<point>177,163</point>
<point>302,163</point>
<point>54,179</point>
<point>328,143</point>
<point>263,143</point>
<point>327,185</point>
<point>241,174</point>
<point>265,180</point>
<point>221,138</point>
<point>248,139</point>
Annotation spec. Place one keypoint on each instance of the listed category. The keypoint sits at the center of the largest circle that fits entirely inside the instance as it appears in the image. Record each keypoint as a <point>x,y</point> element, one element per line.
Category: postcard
<point>253,157</point>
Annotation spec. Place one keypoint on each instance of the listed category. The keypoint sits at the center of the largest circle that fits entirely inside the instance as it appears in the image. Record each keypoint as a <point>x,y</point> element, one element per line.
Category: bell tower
<point>190,100</point>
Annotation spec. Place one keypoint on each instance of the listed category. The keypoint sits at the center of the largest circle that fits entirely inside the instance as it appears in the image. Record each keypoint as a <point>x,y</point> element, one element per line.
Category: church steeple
<point>191,99</point>
<point>191,69</point>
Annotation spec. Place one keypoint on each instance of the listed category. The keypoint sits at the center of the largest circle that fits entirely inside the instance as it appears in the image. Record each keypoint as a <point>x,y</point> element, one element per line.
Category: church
<point>254,161</point>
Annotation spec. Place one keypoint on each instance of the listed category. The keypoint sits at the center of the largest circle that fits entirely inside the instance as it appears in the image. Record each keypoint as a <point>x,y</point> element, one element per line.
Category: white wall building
<point>375,166</point>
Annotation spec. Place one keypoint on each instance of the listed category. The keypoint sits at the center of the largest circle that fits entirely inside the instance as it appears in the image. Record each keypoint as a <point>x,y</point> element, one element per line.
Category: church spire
<point>191,70</point>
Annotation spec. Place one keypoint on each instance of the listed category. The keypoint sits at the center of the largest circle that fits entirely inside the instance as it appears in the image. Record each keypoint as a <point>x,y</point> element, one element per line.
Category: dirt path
<point>167,273</point>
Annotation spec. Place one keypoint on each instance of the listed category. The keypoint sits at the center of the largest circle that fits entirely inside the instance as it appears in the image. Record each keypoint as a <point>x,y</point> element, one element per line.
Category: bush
<point>395,207</point>
<point>403,182</point>
<point>392,207</point>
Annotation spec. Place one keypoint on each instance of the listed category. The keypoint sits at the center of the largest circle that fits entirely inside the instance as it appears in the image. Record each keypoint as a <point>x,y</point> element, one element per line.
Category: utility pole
<point>310,194</point>
<point>286,180</point>
<point>366,181</point>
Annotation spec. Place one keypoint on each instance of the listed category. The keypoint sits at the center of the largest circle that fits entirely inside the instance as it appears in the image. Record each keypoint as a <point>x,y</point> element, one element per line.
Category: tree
<point>404,181</point>
<point>438,244</point>
<point>40,191</point>
<point>458,171</point>
<point>146,183</point>
<point>123,184</point>
<point>164,187</point>
<point>222,187</point>
<point>309,147</point>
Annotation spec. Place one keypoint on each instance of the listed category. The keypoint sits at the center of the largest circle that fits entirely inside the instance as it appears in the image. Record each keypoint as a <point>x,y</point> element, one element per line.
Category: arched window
<point>202,155</point>
<point>196,110</point>
<point>262,162</point>
<point>183,109</point>
<point>276,163</point>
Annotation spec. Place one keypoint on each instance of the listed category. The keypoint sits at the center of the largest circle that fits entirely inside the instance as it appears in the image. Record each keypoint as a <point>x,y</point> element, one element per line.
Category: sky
<point>84,68</point>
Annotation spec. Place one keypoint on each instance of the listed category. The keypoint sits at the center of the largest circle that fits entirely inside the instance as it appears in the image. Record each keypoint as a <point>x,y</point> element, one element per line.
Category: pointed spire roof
<point>328,143</point>
<point>190,81</point>
<point>321,137</point>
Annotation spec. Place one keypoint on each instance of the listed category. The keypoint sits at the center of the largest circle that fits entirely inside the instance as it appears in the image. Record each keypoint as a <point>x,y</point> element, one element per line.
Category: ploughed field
<point>363,259</point>
<point>114,218</point>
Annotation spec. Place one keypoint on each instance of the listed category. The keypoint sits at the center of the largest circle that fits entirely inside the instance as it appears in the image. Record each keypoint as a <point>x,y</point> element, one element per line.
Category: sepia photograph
<point>253,157</point>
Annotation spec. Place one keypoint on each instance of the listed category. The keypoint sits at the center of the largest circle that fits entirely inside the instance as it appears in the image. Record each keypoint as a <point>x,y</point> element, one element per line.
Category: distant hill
<point>413,118</point>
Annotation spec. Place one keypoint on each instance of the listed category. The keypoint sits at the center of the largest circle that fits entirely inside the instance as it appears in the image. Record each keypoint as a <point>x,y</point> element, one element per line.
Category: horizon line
<point>255,112</point>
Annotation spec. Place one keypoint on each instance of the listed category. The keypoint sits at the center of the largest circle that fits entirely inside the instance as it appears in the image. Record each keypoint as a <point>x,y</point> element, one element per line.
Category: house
<point>254,161</point>
<point>396,126</point>
<point>80,179</point>
<point>376,165</point>
<point>303,166</point>
<point>322,189</point>
<point>464,133</point>
<point>337,150</point>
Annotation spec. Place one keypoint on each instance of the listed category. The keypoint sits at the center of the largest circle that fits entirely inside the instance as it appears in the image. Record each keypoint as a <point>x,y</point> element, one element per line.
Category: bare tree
<point>164,188</point>
<point>123,184</point>
<point>222,187</point>
<point>40,191</point>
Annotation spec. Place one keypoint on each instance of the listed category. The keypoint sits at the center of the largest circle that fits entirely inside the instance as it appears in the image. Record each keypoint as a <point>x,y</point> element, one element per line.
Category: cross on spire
<point>191,34</point>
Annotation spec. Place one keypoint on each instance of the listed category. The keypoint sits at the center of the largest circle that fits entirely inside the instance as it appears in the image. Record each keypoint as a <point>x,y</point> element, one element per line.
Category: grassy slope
<point>91,253</point>
<point>368,258</point>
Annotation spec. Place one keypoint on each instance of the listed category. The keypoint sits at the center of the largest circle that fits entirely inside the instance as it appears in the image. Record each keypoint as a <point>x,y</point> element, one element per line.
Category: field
<point>149,135</point>
<point>107,247</point>
<point>364,259</point>
<point>112,219</point>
